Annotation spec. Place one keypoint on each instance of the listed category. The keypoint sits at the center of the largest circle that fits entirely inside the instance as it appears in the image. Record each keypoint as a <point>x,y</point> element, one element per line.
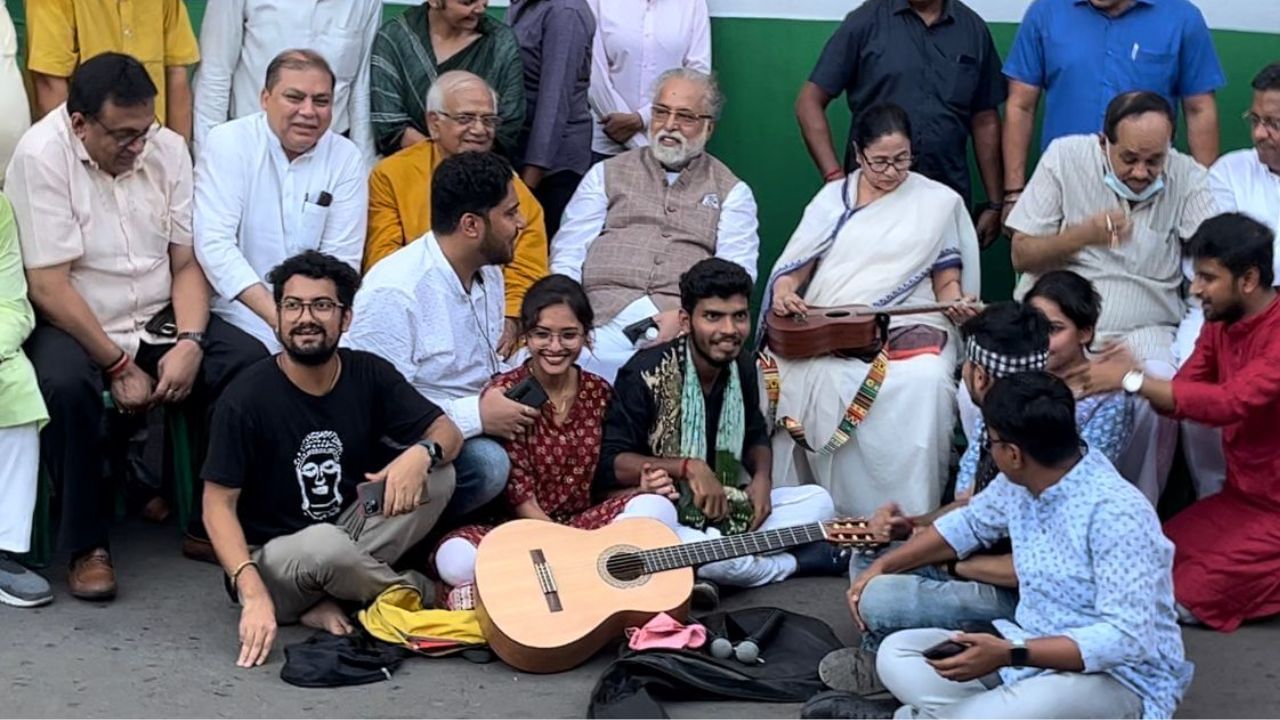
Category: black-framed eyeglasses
<point>124,137</point>
<point>901,163</point>
<point>684,118</point>
<point>988,442</point>
<point>468,119</point>
<point>1253,120</point>
<point>321,309</point>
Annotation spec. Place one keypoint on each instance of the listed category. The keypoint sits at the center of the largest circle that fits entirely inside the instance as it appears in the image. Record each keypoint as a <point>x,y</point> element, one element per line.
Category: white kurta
<point>884,255</point>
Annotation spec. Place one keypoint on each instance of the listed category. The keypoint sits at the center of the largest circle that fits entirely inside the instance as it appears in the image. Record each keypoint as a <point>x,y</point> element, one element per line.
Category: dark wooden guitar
<point>848,330</point>
<point>550,596</point>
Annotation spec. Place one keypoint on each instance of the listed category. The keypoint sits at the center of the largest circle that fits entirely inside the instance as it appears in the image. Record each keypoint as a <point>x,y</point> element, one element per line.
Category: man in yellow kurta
<point>62,34</point>
<point>462,117</point>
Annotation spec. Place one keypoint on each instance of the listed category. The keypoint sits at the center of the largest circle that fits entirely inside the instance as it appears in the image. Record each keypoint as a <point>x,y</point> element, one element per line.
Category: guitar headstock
<point>854,532</point>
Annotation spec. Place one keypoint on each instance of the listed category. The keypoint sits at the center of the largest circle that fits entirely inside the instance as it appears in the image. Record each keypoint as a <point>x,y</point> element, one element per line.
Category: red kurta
<point>1227,564</point>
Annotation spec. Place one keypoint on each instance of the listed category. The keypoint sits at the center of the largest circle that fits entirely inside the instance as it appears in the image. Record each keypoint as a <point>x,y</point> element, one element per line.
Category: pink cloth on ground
<point>664,632</point>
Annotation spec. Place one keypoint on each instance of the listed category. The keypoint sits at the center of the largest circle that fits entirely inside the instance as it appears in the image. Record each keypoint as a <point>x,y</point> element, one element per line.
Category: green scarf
<point>681,431</point>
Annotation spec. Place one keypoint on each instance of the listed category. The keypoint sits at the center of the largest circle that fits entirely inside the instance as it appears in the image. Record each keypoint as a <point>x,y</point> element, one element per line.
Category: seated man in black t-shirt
<point>292,437</point>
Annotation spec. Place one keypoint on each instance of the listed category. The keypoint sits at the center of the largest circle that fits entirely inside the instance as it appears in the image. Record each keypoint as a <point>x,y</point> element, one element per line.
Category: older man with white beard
<point>640,219</point>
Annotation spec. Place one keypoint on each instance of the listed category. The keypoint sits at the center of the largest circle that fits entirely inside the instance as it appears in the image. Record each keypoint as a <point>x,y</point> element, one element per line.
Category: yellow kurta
<point>400,212</point>
<point>61,34</point>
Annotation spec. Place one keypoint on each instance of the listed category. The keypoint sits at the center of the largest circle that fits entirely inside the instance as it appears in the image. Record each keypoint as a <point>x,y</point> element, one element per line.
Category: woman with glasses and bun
<point>883,237</point>
<point>553,463</point>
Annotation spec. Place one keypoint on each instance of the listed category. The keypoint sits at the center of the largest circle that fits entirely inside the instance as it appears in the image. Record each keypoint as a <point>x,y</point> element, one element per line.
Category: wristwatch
<point>1132,381</point>
<point>1018,653</point>
<point>434,450</point>
<point>195,337</point>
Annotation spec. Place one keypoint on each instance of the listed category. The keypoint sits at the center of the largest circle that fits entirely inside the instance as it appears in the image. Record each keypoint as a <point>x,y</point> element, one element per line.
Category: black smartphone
<point>369,496</point>
<point>944,650</point>
<point>528,392</point>
<point>163,323</point>
<point>637,330</point>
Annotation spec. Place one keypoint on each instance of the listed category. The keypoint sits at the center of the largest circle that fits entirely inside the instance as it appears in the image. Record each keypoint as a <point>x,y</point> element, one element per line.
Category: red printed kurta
<point>555,463</point>
<point>1227,564</point>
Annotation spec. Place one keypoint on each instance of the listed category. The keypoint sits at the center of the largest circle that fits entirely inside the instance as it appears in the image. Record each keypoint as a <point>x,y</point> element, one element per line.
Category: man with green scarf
<point>685,422</point>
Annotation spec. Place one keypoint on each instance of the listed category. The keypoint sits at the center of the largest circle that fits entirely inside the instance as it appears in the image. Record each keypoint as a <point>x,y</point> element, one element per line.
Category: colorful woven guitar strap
<point>853,415</point>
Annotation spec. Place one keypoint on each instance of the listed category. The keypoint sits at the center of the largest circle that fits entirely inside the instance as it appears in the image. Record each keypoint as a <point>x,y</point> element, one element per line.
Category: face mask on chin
<point>1118,186</point>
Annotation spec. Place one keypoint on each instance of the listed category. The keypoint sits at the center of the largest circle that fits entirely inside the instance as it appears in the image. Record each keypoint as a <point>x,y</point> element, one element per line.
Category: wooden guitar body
<point>849,331</point>
<point>546,600</point>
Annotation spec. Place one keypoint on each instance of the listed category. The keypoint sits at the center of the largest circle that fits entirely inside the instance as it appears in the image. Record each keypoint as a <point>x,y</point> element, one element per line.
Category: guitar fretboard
<point>708,551</point>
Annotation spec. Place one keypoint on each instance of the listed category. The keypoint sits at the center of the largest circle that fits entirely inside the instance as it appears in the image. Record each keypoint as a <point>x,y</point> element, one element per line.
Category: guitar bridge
<point>546,580</point>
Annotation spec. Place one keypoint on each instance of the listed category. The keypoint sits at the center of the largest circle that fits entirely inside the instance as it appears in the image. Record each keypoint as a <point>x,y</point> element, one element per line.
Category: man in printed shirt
<point>1229,544</point>
<point>1095,633</point>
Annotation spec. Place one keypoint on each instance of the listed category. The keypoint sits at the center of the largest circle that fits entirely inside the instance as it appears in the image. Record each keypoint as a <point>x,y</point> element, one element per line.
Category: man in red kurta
<point>1227,564</point>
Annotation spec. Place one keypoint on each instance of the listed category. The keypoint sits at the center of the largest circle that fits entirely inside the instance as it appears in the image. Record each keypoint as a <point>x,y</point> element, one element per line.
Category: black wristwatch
<point>193,336</point>
<point>1018,653</point>
<point>434,450</point>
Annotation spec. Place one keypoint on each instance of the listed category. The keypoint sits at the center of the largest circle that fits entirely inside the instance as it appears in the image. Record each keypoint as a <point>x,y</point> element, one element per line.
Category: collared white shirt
<point>254,208</point>
<point>1242,183</point>
<point>635,42</point>
<point>114,231</point>
<point>737,234</point>
<point>413,311</point>
<point>239,38</point>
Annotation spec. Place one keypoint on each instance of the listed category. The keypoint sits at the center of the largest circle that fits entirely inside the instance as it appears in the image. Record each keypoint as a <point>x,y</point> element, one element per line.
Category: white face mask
<point>1118,186</point>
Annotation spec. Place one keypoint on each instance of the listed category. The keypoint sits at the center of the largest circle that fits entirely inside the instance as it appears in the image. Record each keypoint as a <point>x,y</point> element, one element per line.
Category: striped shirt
<point>1140,281</point>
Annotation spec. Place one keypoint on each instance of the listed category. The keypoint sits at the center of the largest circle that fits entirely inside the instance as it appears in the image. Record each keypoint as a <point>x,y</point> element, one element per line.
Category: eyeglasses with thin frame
<point>1253,120</point>
<point>321,309</point>
<point>125,137</point>
<point>490,122</point>
<point>988,441</point>
<point>542,337</point>
<point>684,118</point>
<point>901,163</point>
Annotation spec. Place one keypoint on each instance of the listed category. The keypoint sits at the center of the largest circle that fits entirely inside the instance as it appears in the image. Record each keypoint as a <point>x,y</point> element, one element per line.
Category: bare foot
<point>326,615</point>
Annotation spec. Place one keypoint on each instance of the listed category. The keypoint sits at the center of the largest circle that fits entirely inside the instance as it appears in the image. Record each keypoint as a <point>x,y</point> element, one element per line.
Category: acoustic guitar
<point>549,596</point>
<point>847,330</point>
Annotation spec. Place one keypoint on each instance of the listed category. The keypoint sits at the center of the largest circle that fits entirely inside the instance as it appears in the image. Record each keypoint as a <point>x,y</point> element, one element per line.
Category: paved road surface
<point>165,648</point>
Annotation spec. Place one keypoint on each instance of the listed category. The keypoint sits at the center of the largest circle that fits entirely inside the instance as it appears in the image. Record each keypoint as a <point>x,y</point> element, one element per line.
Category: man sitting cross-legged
<point>1095,632</point>
<point>292,438</point>
<point>690,409</point>
<point>1228,545</point>
<point>1051,330</point>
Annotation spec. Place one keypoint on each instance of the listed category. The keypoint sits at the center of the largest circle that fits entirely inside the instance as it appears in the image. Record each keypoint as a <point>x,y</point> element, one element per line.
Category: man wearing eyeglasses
<point>462,116</point>
<point>640,219</point>
<point>274,184</point>
<point>102,197</point>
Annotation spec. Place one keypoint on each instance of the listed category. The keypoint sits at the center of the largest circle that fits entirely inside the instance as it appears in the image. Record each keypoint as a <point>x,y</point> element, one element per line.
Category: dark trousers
<point>72,446</point>
<point>554,193</point>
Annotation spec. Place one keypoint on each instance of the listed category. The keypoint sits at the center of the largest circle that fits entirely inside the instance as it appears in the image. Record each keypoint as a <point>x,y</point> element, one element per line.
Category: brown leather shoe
<point>193,548</point>
<point>92,577</point>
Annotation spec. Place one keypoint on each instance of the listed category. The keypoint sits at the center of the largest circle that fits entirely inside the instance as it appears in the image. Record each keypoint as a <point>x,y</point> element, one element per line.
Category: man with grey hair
<point>462,116</point>
<point>272,185</point>
<point>640,219</point>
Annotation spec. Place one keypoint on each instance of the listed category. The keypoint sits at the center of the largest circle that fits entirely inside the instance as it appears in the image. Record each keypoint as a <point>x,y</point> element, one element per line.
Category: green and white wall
<point>764,49</point>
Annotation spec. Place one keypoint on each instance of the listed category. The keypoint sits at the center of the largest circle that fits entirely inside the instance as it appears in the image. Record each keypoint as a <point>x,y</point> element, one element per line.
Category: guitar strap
<point>853,415</point>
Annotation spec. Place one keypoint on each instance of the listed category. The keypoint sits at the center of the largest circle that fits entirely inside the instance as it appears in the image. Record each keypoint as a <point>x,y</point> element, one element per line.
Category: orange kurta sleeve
<point>386,232</point>
<point>530,262</point>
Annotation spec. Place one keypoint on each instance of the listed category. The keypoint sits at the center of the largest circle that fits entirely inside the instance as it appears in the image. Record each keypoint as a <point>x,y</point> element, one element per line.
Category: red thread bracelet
<point>834,174</point>
<point>117,367</point>
<point>684,469</point>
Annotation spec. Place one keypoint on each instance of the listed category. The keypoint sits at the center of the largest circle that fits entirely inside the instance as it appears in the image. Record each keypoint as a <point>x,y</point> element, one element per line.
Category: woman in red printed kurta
<point>552,465</point>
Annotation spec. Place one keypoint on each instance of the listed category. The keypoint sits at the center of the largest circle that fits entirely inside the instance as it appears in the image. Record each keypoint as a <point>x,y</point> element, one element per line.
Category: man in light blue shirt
<point>1095,633</point>
<point>1083,53</point>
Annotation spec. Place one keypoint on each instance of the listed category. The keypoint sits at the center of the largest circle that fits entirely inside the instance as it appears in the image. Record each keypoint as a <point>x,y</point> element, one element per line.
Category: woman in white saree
<point>883,237</point>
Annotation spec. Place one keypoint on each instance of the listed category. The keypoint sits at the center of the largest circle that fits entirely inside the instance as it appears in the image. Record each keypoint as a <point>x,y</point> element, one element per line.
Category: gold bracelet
<point>235,575</point>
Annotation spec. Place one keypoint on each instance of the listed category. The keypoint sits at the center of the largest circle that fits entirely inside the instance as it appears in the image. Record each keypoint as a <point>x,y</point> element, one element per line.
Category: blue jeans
<point>482,468</point>
<point>928,597</point>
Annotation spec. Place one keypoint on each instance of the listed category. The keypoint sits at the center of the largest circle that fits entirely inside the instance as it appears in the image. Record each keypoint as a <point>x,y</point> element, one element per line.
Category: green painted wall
<point>761,63</point>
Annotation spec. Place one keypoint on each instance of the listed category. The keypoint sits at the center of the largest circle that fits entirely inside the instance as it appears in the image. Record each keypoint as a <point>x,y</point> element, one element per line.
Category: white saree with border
<point>881,255</point>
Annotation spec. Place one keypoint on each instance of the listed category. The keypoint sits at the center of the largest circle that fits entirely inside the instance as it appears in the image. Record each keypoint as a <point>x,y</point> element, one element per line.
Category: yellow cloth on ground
<point>397,616</point>
<point>400,212</point>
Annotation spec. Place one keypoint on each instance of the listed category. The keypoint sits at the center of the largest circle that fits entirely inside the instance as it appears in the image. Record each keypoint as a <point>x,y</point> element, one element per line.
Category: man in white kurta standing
<point>274,184</point>
<point>238,38</point>
<point>1116,208</point>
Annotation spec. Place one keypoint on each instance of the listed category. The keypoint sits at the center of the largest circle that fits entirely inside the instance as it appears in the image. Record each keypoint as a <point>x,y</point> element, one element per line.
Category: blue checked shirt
<point>1094,566</point>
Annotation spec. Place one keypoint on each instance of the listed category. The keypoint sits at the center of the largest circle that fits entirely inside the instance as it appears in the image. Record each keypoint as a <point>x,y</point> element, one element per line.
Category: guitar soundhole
<point>622,567</point>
